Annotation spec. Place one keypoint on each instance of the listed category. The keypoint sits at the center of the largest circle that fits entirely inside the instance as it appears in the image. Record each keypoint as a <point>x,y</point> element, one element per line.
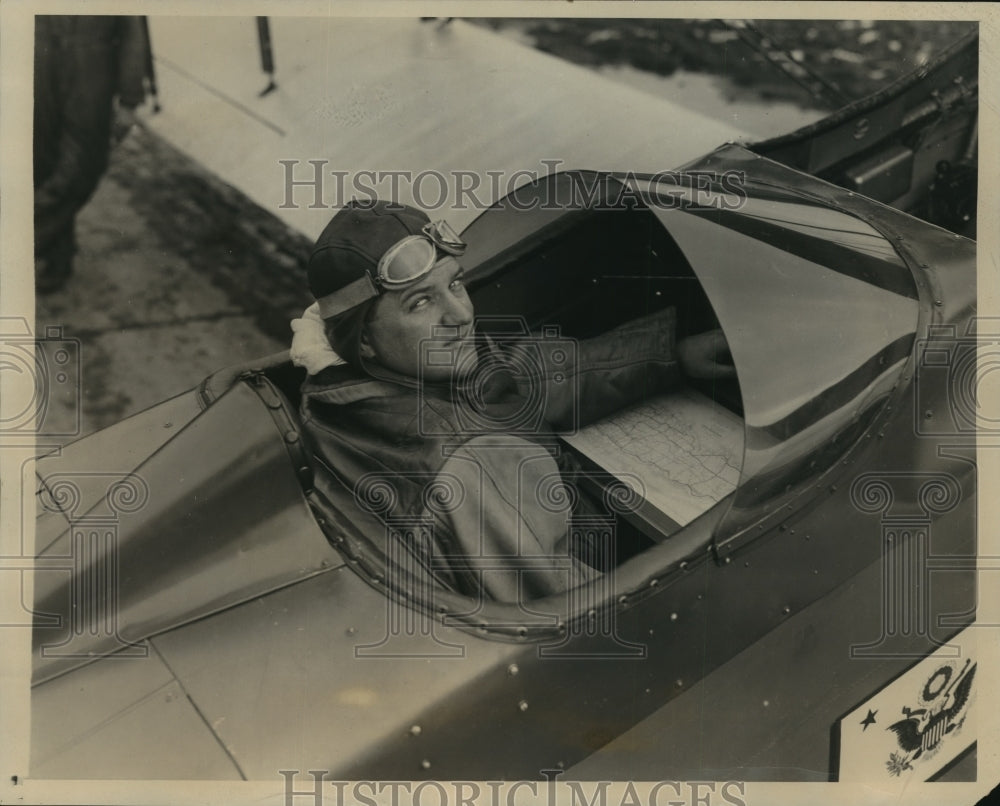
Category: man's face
<point>424,330</point>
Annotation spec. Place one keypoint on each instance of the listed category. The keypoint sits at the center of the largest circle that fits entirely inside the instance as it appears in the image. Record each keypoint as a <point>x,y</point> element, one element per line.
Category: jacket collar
<point>343,384</point>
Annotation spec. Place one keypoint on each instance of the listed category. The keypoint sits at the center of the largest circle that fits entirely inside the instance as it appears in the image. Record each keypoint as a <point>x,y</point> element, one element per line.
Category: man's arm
<point>632,362</point>
<point>506,518</point>
<point>603,374</point>
<point>706,355</point>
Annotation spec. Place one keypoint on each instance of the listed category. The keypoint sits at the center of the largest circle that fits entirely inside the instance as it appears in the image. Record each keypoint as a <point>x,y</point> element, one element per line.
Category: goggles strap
<point>343,299</point>
<point>438,235</point>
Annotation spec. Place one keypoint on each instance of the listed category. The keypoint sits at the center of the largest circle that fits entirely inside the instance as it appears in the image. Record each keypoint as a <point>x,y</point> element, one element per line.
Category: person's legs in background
<point>75,64</point>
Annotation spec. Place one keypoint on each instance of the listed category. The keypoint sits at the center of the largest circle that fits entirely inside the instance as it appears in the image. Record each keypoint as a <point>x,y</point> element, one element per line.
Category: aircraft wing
<point>400,95</point>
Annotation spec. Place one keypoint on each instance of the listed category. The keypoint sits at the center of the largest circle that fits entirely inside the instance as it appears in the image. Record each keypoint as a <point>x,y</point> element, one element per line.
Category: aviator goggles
<point>404,262</point>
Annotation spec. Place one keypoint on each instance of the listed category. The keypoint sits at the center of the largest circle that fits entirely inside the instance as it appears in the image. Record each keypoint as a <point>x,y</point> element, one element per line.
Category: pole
<point>266,53</point>
<point>150,67</point>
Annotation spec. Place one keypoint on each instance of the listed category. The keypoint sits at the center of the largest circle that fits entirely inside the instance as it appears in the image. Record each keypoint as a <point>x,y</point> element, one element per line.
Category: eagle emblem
<point>942,710</point>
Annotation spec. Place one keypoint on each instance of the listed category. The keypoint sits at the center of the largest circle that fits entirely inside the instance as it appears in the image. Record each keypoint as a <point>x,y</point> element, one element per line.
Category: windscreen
<point>820,313</point>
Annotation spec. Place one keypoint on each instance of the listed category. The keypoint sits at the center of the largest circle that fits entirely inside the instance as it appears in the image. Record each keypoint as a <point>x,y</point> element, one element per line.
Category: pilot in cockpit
<point>402,387</point>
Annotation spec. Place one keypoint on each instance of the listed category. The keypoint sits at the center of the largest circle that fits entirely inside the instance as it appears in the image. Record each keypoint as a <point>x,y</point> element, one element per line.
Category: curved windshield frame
<point>819,310</point>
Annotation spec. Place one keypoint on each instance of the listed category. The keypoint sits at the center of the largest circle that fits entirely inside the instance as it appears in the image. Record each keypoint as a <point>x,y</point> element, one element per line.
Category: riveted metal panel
<point>216,516</point>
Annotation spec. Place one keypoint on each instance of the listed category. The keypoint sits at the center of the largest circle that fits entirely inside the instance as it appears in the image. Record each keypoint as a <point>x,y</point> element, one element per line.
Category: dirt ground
<point>177,275</point>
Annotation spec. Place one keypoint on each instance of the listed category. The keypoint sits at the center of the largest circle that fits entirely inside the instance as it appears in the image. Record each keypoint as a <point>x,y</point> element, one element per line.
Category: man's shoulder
<point>401,412</point>
<point>342,385</point>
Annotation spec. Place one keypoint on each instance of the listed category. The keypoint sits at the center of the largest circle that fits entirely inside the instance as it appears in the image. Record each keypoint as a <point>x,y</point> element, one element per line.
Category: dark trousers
<point>75,79</point>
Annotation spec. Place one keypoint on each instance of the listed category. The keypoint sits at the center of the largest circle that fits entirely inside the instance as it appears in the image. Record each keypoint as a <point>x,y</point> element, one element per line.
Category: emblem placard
<point>918,724</point>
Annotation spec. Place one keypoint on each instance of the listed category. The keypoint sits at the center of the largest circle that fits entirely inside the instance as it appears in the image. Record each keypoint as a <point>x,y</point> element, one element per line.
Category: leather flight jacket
<point>476,466</point>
